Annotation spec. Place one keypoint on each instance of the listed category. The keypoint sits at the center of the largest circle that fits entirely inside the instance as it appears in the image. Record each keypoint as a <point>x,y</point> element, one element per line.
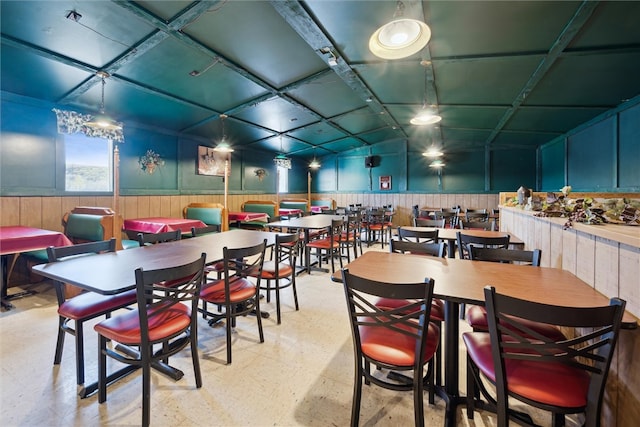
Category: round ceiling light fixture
<point>399,38</point>
<point>425,117</point>
<point>437,164</point>
<point>433,152</point>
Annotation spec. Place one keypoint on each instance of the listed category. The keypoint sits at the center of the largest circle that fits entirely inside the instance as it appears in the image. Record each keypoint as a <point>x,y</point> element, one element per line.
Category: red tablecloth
<point>248,216</point>
<point>288,212</point>
<point>161,225</point>
<point>319,209</point>
<point>16,238</point>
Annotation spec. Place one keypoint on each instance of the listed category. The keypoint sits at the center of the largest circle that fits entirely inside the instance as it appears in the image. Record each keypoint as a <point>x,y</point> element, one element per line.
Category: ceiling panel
<point>501,74</point>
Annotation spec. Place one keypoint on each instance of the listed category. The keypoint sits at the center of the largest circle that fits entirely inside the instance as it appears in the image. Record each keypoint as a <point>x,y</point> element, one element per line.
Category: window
<point>283,179</point>
<point>88,163</point>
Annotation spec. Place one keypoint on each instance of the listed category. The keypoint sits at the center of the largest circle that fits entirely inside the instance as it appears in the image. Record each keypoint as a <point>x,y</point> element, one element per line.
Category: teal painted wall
<point>602,156</point>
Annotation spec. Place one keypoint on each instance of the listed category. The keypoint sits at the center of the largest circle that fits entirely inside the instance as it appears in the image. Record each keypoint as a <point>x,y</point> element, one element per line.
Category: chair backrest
<point>286,250</point>
<point>430,236</point>
<point>243,262</point>
<point>424,222</point>
<point>353,225</point>
<point>476,215</point>
<point>477,225</point>
<point>591,350</point>
<point>199,231</point>
<point>210,216</point>
<point>402,247</point>
<point>153,238</point>
<point>449,215</point>
<point>410,319</point>
<point>61,253</point>
<point>302,204</point>
<point>335,231</point>
<point>159,291</point>
<point>505,255</point>
<point>466,240</point>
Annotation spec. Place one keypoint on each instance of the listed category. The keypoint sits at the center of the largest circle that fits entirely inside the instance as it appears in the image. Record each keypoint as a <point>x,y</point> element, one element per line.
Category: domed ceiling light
<point>433,152</point>
<point>401,37</point>
<point>101,120</point>
<point>437,164</point>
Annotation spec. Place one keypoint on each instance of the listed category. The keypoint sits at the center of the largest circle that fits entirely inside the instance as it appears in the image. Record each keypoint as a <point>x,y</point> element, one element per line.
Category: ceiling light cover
<point>433,152</point>
<point>223,145</point>
<point>315,164</point>
<point>425,117</point>
<point>101,120</point>
<point>282,161</point>
<point>436,164</point>
<point>399,38</point>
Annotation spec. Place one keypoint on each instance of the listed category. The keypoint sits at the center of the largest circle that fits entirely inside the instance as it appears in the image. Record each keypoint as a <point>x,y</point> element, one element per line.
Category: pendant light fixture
<point>315,164</point>
<point>437,164</point>
<point>433,152</point>
<point>427,115</point>
<point>401,37</point>
<point>281,160</point>
<point>223,145</point>
<point>101,120</point>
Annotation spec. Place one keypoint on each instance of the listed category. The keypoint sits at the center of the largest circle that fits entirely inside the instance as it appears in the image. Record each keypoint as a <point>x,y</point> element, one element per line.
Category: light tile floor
<point>302,375</point>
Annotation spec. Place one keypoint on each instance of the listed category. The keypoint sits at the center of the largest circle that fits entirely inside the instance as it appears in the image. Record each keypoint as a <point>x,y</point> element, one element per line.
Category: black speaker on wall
<point>368,162</point>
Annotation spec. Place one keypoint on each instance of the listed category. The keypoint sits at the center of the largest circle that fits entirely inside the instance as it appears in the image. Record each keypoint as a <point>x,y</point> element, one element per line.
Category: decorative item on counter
<point>622,211</point>
<point>523,194</point>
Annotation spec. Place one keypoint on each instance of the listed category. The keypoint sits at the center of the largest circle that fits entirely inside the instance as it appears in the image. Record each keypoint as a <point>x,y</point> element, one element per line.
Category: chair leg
<point>102,369</point>
<point>277,289</point>
<point>357,395</point>
<point>79,353</point>
<point>258,313</point>
<point>146,388</point>
<point>195,358</point>
<point>295,290</point>
<point>418,399</point>
<point>228,325</point>
<point>60,342</point>
<point>471,388</point>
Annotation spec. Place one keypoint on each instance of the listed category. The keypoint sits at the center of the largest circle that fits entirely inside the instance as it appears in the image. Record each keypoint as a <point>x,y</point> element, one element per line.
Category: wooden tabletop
<point>463,280</point>
<point>307,222</point>
<point>111,273</point>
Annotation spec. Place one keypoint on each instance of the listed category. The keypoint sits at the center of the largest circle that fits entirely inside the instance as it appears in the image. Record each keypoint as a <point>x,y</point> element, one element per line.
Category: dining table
<point>159,225</point>
<point>16,239</point>
<point>114,272</point>
<point>450,236</point>
<point>459,281</point>
<point>307,224</point>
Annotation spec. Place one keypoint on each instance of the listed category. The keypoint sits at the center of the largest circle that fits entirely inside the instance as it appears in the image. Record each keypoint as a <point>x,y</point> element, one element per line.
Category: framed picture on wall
<point>211,162</point>
<point>385,182</point>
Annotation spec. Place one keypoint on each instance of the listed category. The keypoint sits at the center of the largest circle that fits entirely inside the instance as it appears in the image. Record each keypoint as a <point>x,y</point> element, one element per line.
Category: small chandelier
<point>223,145</point>
<point>101,120</point>
<point>315,164</point>
<point>399,38</point>
<point>281,160</point>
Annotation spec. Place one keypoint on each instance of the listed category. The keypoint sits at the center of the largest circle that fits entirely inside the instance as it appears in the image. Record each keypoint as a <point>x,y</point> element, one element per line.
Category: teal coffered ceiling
<point>501,74</point>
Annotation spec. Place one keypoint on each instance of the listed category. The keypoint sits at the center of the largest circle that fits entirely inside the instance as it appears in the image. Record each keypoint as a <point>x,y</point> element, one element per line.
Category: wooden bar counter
<point>606,257</point>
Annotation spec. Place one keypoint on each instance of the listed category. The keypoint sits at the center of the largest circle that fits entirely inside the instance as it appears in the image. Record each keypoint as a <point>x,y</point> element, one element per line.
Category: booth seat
<point>209,213</point>
<point>318,205</point>
<point>302,204</point>
<point>260,206</point>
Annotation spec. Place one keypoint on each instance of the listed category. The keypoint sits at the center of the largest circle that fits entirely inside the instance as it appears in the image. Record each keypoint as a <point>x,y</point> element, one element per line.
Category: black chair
<point>477,315</point>
<point>329,246</point>
<point>351,236</point>
<point>477,215</point>
<point>417,248</point>
<point>450,216</point>
<point>235,292</point>
<point>398,340</point>
<point>423,222</point>
<point>155,238</point>
<point>282,270</point>
<point>376,224</point>
<point>465,241</point>
<point>200,231</point>
<point>563,377</point>
<point>212,267</point>
<point>477,225</point>
<point>85,306</point>
<point>166,316</point>
<point>420,236</point>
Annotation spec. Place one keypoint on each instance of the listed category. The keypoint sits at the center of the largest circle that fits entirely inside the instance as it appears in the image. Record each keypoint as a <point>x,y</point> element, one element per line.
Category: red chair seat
<point>554,384</point>
<point>393,347</point>
<point>90,304</point>
<point>437,307</point>
<point>477,318</point>
<point>239,289</point>
<point>125,328</point>
<point>323,244</point>
<point>269,270</point>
